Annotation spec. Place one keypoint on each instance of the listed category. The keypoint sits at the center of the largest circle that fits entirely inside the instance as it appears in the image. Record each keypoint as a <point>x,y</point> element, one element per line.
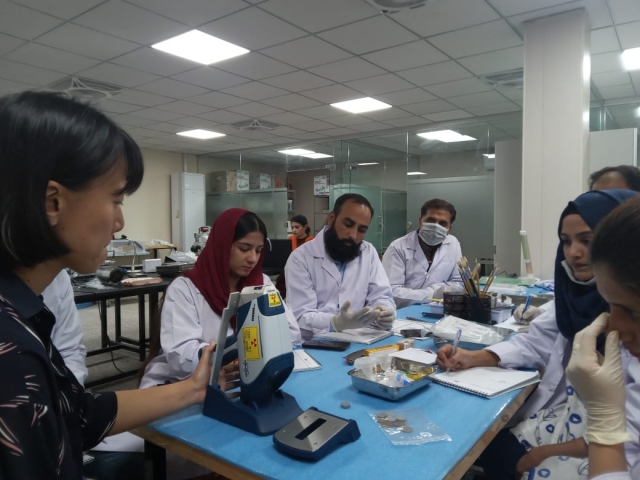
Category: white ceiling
<point>304,55</point>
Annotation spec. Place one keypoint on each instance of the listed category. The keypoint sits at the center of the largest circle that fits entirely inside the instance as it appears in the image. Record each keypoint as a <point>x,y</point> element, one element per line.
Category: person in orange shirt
<point>300,228</point>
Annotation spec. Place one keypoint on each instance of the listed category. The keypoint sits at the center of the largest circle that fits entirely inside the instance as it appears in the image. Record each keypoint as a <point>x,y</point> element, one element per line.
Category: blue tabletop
<point>465,417</point>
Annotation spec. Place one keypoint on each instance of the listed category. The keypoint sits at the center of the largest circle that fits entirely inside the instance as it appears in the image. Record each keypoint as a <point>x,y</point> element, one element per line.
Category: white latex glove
<point>529,315</point>
<point>346,319</point>
<point>439,292</point>
<point>385,318</point>
<point>600,385</point>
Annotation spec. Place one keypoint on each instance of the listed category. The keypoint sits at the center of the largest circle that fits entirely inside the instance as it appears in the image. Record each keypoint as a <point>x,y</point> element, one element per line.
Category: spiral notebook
<point>486,382</point>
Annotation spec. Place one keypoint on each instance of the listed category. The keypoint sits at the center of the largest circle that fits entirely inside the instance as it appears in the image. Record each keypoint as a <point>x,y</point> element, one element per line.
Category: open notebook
<point>486,382</point>
<point>364,335</point>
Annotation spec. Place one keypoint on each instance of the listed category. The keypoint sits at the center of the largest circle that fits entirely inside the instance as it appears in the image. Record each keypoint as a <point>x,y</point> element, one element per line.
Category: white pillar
<point>555,127</point>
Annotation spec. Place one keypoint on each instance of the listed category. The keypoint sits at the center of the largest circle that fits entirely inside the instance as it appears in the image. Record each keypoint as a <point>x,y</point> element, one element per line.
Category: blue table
<point>471,421</point>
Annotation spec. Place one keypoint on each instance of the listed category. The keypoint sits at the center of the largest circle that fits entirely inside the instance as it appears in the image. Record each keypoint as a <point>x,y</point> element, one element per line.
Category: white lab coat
<point>67,331</point>
<point>542,347</point>
<point>412,279</point>
<point>316,289</point>
<point>188,324</point>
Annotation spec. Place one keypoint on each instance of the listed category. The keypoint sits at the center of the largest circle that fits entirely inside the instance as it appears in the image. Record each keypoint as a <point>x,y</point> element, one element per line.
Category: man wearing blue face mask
<point>422,263</point>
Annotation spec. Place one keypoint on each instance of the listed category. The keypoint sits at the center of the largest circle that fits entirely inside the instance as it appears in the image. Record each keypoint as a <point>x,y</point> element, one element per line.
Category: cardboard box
<point>227,181</point>
<point>261,181</point>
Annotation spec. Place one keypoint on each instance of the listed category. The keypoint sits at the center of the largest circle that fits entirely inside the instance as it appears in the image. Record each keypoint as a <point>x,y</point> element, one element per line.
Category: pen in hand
<point>526,304</point>
<point>455,345</point>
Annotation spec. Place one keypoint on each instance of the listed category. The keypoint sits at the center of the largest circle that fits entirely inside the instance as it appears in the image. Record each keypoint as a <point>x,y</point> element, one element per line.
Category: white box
<point>261,181</point>
<point>149,265</point>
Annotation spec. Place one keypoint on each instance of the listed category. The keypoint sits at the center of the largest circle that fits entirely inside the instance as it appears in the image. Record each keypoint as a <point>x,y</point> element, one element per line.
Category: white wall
<point>147,213</point>
<point>613,147</point>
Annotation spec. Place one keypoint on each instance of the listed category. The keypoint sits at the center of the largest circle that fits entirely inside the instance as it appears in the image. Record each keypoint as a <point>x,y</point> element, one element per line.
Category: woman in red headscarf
<point>193,304</point>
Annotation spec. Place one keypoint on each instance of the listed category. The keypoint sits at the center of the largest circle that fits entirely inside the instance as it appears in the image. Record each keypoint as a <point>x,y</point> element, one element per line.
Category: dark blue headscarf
<point>578,305</point>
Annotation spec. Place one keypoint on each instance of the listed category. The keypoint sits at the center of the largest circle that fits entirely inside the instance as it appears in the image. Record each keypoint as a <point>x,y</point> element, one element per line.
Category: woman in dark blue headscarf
<point>549,423</point>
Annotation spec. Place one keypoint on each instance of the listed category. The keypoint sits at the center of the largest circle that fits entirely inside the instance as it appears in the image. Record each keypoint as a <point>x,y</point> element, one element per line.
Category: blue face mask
<point>432,234</point>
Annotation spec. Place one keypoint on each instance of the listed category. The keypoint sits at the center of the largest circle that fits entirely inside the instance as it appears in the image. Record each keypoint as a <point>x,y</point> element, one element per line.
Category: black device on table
<point>276,254</point>
<point>326,344</point>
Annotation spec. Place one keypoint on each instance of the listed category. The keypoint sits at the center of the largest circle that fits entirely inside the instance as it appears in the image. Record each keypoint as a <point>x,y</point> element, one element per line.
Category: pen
<point>455,344</point>
<point>526,304</point>
<point>532,474</point>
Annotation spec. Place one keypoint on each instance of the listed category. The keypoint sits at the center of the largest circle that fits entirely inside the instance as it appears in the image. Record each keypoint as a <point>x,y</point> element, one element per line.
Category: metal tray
<point>393,393</point>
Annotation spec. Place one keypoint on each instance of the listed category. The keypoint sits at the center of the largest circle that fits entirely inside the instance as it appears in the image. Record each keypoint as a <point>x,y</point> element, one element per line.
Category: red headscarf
<point>211,272</point>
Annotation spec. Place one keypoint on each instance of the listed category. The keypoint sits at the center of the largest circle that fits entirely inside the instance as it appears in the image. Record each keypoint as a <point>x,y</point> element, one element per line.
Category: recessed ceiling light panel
<point>200,47</point>
<point>361,105</point>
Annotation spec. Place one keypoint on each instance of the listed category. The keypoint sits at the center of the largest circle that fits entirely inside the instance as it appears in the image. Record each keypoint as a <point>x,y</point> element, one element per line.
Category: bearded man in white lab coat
<point>422,263</point>
<point>336,281</point>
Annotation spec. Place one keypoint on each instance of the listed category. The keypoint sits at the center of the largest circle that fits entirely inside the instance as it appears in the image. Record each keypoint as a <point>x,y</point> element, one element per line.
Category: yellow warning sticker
<point>251,343</point>
<point>274,300</point>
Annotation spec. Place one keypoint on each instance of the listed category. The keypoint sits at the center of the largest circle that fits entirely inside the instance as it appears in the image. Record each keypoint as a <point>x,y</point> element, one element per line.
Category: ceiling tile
<point>370,127</point>
<point>145,99</point>
<point>7,87</point>
<point>253,29</point>
<point>255,66</point>
<point>493,62</point>
<point>349,120</point>
<point>410,55</point>
<point>255,91</point>
<point>511,93</point>
<point>380,84</point>
<point>23,22</point>
<point>284,130</point>
<point>166,127</point>
<point>635,79</point>
<point>191,12</point>
<point>321,112</point>
<point>8,43</point>
<point>596,9</point>
<point>629,35</point>
<point>434,106</point>
<point>437,73</point>
<point>315,16</point>
<point>368,35</point>
<point>306,52</point>
<point>222,116</point>
<point>157,115</point>
<point>130,22</point>
<point>307,136</point>
<point>406,121</point>
<point>494,108</point>
<point>335,132</point>
<point>19,72</point>
<point>89,43</point>
<point>218,100</point>
<point>66,9</point>
<point>112,106</point>
<point>194,122</point>
<point>185,108</point>
<point>291,102</point>
<point>145,132</point>
<point>479,39</point>
<point>624,11</point>
<point>211,78</point>
<point>172,88</point>
<point>51,58</point>
<point>446,116</point>
<point>332,94</point>
<point>514,7</point>
<point>352,68</point>
<point>619,91</point>
<point>255,110</point>
<point>118,75</point>
<point>414,95</point>
<point>384,115</point>
<point>131,121</point>
<point>314,125</point>
<point>439,16</point>
<point>611,79</point>
<point>287,118</point>
<point>604,40</point>
<point>606,62</point>
<point>297,81</point>
<point>476,99</point>
<point>154,61</point>
<point>459,87</point>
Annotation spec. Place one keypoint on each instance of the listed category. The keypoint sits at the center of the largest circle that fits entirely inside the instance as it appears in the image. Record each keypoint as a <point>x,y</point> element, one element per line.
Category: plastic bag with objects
<point>472,332</point>
<point>408,426</point>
